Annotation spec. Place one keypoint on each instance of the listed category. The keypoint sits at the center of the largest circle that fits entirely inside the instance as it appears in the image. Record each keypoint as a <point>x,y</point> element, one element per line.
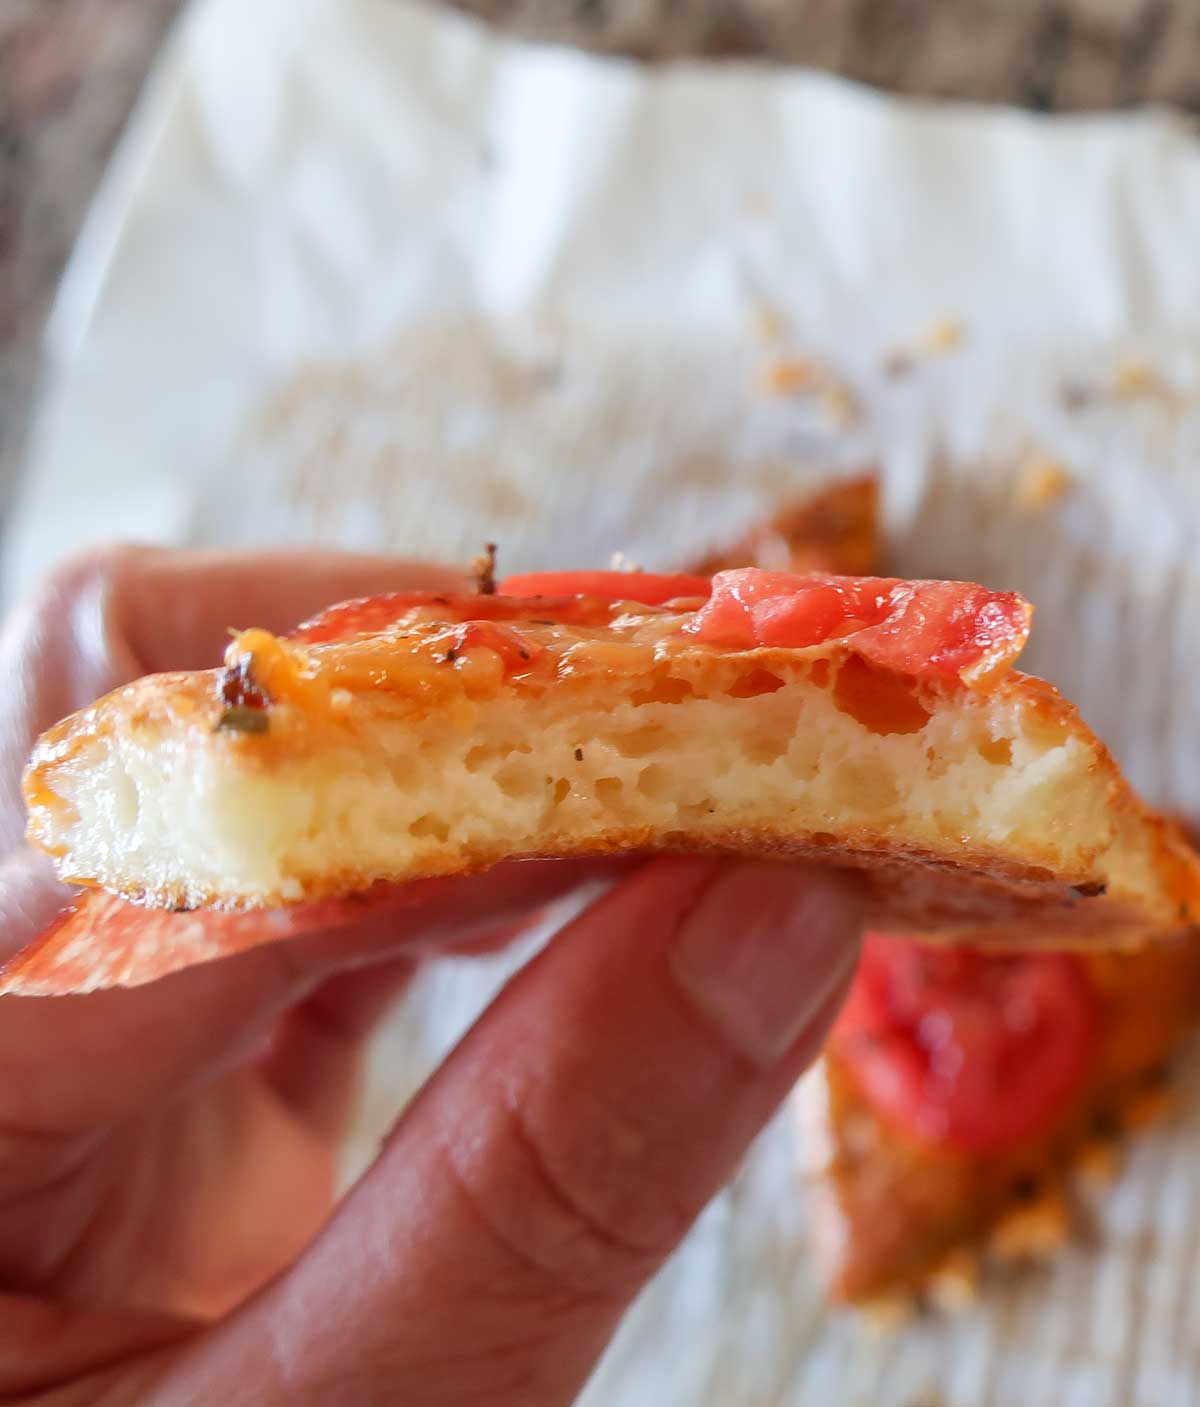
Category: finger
<point>124,612</point>
<point>315,1061</point>
<point>45,1344</point>
<point>77,1068</point>
<point>30,899</point>
<point>174,609</point>
<point>561,1153</point>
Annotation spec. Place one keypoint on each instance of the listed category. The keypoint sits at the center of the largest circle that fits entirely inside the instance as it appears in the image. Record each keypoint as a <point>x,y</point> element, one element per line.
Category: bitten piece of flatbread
<point>861,722</point>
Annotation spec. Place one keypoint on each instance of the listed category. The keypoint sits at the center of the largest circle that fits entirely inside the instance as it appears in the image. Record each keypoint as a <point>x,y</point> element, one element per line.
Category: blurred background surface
<point>70,71</point>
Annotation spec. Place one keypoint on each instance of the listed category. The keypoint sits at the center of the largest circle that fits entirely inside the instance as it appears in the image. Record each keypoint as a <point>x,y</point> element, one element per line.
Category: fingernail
<point>763,949</point>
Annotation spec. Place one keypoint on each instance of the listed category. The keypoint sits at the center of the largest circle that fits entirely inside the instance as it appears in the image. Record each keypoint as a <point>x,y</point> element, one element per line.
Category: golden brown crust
<point>835,530</point>
<point>102,940</point>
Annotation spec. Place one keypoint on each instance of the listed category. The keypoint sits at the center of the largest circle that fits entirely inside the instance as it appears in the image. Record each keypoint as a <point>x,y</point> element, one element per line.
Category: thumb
<point>558,1157</point>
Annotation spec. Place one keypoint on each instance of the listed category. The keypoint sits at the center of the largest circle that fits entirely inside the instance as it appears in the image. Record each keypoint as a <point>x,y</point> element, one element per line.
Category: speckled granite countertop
<point>71,69</point>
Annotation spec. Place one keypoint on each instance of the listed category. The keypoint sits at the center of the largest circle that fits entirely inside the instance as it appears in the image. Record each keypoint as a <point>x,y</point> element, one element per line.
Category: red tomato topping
<point>647,588</point>
<point>373,613</point>
<point>975,1050</point>
<point>921,628</point>
<point>358,617</point>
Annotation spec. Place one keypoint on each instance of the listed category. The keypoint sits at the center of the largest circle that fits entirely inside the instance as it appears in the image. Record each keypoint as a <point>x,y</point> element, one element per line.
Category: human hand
<point>167,1153</point>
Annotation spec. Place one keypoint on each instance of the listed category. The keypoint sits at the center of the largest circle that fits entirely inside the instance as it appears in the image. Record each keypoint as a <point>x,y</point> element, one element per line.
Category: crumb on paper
<point>898,362</point>
<point>1133,376</point>
<point>839,405</point>
<point>953,1284</point>
<point>941,336</point>
<point>1031,1231</point>
<point>887,1313</point>
<point>802,376</point>
<point>618,562</point>
<point>1041,481</point>
<point>792,376</point>
<point>1075,395</point>
<point>768,322</point>
<point>773,553</point>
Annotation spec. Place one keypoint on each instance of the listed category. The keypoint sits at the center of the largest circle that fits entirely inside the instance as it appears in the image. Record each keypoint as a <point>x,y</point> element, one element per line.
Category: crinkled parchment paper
<point>364,273</point>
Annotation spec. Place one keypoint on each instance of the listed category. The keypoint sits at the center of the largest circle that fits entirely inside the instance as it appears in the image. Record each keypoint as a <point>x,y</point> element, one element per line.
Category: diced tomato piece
<point>970,1049</point>
<point>750,607</point>
<point>647,588</point>
<point>807,618</point>
<point>950,628</point>
<point>919,628</point>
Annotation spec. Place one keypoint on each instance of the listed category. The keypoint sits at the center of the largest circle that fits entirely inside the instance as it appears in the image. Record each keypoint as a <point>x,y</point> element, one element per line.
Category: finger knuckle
<point>85,583</point>
<point>560,1212</point>
<point>95,569</point>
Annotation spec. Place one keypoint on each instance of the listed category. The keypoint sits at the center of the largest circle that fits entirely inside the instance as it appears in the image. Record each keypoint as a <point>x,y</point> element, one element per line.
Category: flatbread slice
<point>872,723</point>
<point>935,1161</point>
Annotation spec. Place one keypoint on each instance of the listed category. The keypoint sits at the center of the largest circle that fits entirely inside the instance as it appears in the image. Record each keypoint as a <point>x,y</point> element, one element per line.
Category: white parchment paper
<point>364,273</point>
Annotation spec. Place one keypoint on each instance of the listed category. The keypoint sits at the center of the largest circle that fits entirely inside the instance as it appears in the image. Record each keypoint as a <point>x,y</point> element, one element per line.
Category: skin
<point>167,1154</point>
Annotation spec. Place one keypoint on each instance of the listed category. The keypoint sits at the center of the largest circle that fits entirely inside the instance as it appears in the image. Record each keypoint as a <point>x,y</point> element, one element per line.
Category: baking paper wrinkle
<point>365,273</point>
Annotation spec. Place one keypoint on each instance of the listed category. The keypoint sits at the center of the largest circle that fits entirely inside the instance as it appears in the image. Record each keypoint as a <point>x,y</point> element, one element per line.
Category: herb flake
<point>240,718</point>
<point>484,569</point>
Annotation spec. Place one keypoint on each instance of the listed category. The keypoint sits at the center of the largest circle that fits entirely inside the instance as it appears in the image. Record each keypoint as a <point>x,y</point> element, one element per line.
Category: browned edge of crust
<point>834,530</point>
